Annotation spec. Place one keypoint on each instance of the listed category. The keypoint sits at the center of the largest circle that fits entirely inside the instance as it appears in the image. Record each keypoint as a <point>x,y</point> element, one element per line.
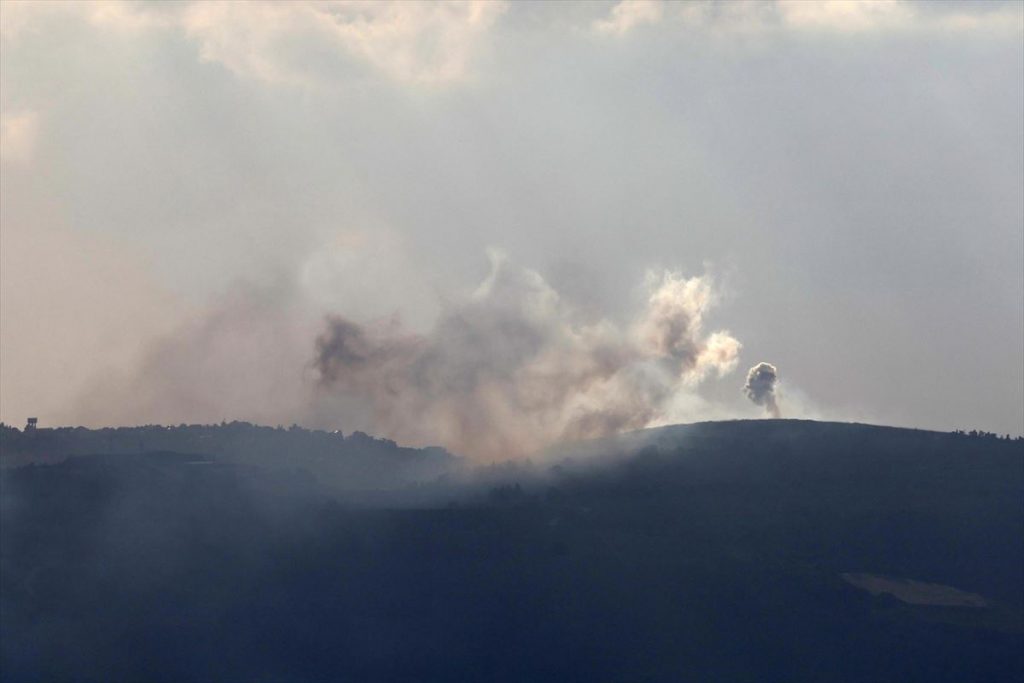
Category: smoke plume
<point>514,368</point>
<point>760,387</point>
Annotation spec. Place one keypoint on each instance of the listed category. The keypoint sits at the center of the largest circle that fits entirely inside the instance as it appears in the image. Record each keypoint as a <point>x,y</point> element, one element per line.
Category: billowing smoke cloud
<point>514,367</point>
<point>760,387</point>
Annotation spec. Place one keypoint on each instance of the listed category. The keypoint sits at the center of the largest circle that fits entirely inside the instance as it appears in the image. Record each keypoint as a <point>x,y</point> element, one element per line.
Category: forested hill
<point>352,462</point>
<point>739,551</point>
<point>730,435</point>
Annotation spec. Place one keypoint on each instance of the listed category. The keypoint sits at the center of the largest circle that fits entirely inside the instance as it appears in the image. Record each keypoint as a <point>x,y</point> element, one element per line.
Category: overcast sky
<point>187,189</point>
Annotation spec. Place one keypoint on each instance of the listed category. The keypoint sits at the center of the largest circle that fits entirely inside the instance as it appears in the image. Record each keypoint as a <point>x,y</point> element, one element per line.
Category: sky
<point>197,199</point>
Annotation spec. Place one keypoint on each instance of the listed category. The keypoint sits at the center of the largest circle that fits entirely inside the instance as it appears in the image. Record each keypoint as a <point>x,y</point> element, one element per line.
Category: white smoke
<point>511,369</point>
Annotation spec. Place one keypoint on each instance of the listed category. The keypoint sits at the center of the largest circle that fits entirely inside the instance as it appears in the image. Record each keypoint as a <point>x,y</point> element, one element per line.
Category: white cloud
<point>131,16</point>
<point>300,42</point>
<point>1008,19</point>
<point>18,136</point>
<point>411,42</point>
<point>24,17</point>
<point>809,16</point>
<point>628,14</point>
<point>845,15</point>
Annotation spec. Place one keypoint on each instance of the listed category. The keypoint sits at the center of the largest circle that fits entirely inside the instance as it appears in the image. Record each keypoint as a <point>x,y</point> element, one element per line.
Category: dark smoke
<point>760,387</point>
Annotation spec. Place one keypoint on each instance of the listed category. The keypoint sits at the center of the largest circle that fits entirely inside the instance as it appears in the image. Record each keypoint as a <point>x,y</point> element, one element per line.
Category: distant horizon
<point>339,431</point>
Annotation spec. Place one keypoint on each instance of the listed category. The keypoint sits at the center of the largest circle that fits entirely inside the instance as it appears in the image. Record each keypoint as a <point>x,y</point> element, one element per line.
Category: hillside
<point>341,463</point>
<point>761,550</point>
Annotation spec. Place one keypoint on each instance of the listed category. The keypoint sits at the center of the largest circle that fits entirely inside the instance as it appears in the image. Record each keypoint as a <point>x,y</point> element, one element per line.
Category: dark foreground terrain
<point>760,551</point>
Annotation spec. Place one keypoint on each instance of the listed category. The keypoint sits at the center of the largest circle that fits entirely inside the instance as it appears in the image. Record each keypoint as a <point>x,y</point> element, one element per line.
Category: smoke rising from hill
<point>513,368</point>
<point>760,387</point>
<point>495,373</point>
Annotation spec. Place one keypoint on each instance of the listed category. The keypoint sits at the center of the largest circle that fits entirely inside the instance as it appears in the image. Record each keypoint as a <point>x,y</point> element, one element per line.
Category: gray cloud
<point>760,387</point>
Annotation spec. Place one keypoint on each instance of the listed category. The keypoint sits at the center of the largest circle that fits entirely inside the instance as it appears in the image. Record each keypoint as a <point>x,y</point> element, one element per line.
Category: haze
<point>189,190</point>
